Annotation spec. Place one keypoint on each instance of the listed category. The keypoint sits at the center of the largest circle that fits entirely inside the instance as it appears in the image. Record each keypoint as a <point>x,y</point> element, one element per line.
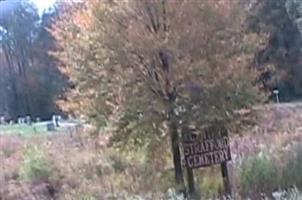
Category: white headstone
<point>19,120</point>
<point>2,120</point>
<point>28,120</point>
<point>55,120</point>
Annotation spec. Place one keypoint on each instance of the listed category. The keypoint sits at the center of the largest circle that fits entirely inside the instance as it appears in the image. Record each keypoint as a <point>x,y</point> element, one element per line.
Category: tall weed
<point>259,174</point>
<point>35,165</point>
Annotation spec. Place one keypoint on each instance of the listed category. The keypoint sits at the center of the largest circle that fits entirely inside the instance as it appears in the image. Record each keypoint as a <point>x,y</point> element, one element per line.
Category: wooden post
<point>192,193</point>
<point>226,179</point>
<point>190,178</point>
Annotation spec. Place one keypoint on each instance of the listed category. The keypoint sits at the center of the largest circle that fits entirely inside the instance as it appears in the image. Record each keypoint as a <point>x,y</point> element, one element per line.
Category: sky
<point>8,5</point>
<point>43,4</point>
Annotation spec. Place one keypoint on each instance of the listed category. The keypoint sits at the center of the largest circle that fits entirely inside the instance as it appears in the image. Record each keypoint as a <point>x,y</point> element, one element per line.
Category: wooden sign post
<point>206,149</point>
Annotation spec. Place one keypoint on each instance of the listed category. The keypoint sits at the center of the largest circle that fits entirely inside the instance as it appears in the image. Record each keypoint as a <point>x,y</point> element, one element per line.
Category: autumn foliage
<point>149,68</point>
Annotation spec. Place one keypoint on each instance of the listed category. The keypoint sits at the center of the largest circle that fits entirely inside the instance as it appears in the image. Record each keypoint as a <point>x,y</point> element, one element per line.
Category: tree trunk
<point>172,121</point>
<point>191,185</point>
<point>192,193</point>
<point>179,178</point>
<point>23,64</point>
<point>226,180</point>
<point>14,100</point>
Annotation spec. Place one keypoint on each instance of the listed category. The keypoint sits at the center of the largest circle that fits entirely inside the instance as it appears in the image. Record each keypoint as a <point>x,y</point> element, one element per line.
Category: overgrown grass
<point>23,129</point>
<point>258,174</point>
<point>35,165</point>
<point>77,169</point>
<point>292,172</point>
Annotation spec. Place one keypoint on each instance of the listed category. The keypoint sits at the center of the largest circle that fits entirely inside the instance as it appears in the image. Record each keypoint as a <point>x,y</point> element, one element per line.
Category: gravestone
<point>2,120</point>
<point>50,126</point>
<point>70,117</point>
<point>20,120</point>
<point>55,120</point>
<point>28,120</point>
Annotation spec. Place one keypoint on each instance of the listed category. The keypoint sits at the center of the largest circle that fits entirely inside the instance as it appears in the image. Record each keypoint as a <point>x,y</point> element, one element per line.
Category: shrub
<point>7,152</point>
<point>35,165</point>
<point>211,185</point>
<point>290,194</point>
<point>292,172</point>
<point>258,174</point>
<point>108,163</point>
<point>118,162</point>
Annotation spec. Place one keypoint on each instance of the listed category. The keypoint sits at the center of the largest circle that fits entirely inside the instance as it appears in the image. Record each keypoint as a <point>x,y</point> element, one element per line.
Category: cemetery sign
<point>208,148</point>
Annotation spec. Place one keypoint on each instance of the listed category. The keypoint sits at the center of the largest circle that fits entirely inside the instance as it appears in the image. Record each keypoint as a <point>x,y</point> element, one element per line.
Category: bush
<point>259,175</point>
<point>35,165</point>
<point>7,152</point>
<point>211,185</point>
<point>292,172</point>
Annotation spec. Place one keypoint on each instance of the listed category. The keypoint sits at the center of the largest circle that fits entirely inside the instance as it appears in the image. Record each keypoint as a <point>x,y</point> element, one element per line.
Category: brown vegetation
<point>80,170</point>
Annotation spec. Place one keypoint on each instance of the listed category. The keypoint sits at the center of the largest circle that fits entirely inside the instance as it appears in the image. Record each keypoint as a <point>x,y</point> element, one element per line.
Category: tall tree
<point>18,29</point>
<point>48,82</point>
<point>160,65</point>
<point>31,77</point>
<point>280,58</point>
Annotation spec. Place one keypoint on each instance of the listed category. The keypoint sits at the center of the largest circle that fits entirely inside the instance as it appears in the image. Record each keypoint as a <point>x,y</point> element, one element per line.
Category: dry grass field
<point>265,157</point>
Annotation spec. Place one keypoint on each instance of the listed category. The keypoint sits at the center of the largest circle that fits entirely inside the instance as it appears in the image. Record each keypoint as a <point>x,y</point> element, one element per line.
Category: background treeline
<point>29,78</point>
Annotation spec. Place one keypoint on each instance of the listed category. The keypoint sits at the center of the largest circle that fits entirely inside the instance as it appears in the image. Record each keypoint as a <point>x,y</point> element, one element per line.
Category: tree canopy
<point>149,68</point>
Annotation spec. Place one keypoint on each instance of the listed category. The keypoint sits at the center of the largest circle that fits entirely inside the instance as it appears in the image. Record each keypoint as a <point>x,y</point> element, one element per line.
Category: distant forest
<point>32,82</point>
